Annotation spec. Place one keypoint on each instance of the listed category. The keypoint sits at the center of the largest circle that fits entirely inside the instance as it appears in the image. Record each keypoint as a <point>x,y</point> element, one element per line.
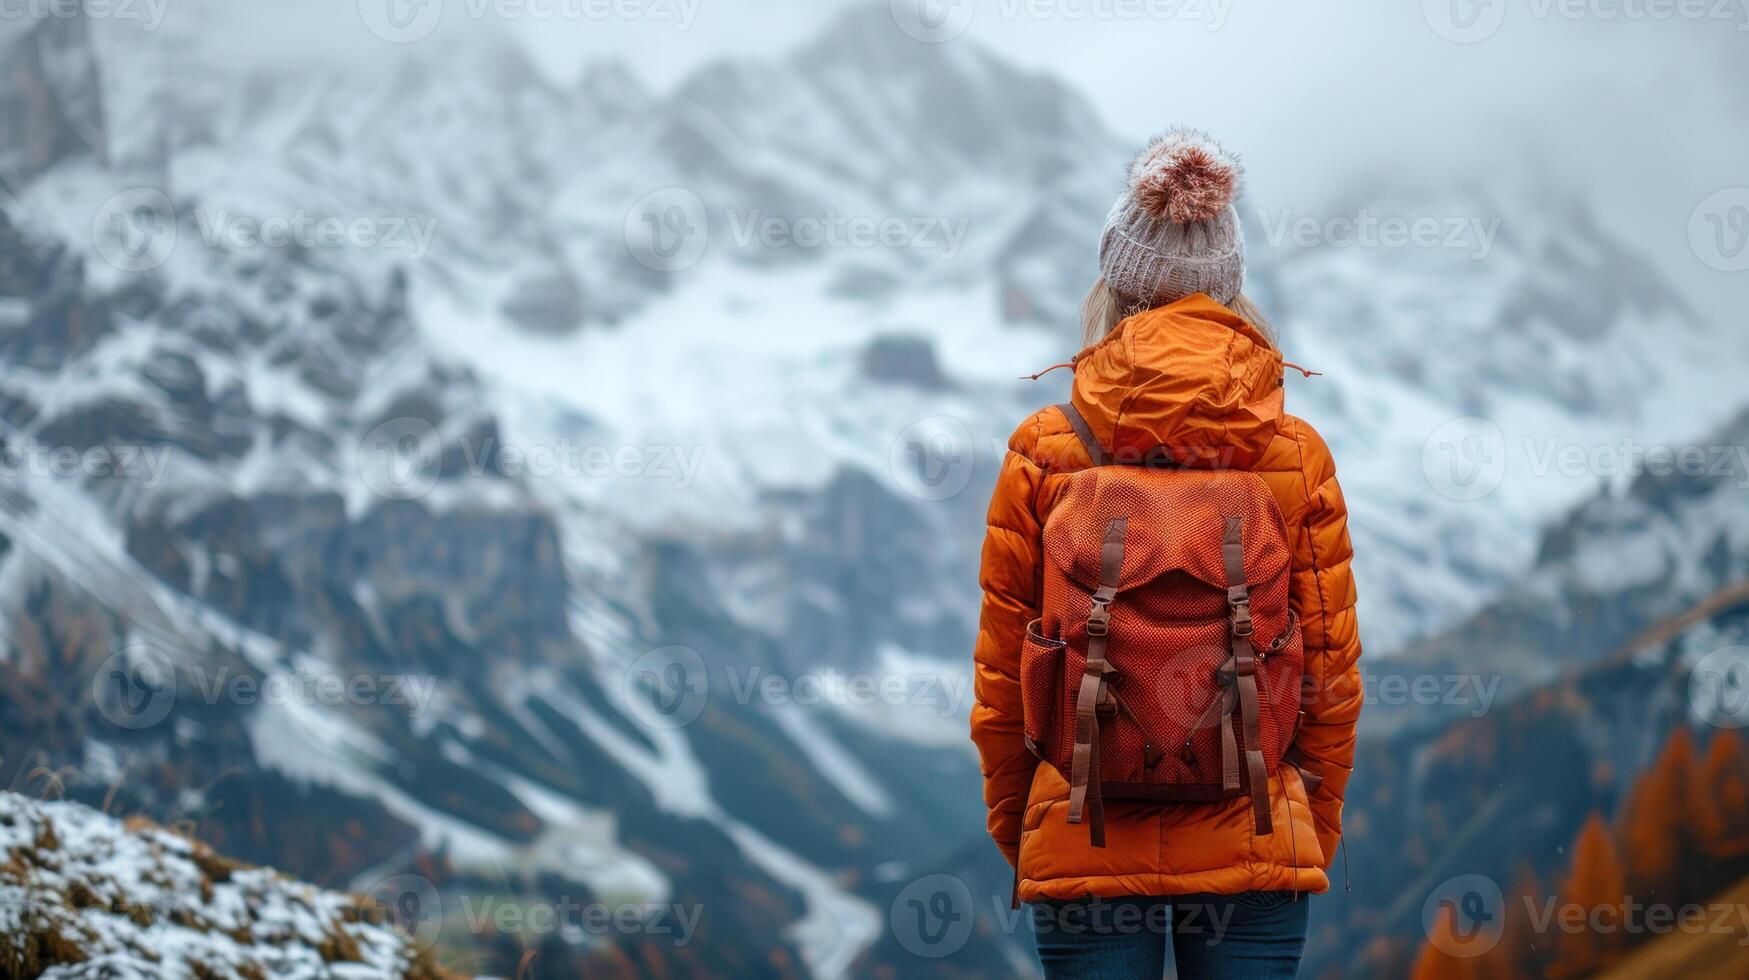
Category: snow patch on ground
<point>145,904</point>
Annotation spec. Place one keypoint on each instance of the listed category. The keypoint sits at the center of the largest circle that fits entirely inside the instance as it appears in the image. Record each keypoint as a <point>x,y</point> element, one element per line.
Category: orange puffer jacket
<point>1196,377</point>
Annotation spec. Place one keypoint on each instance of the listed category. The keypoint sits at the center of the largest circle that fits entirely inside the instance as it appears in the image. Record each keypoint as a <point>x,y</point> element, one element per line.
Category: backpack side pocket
<point>1041,678</point>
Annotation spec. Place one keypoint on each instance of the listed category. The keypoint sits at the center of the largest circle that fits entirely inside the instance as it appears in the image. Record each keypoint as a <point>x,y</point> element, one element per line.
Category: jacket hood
<point>1192,377</point>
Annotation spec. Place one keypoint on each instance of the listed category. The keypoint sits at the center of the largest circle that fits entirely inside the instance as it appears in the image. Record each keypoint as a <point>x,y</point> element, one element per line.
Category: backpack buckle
<point>1239,598</point>
<point>1242,625</point>
<point>1099,622</point>
<point>1099,618</point>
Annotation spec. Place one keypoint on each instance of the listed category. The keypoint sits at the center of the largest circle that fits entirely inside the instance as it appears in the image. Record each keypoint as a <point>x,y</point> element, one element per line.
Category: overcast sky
<point>1642,105</point>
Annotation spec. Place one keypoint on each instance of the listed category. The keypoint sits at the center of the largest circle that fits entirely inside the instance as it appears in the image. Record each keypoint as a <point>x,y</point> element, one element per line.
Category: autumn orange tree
<point>1681,835</point>
<point>1658,827</point>
<point>1724,812</point>
<point>1522,953</point>
<point>1596,887</point>
<point>1435,963</point>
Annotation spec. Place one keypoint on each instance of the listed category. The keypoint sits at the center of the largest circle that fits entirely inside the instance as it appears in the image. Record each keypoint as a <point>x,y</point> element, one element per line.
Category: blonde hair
<point>1104,308</point>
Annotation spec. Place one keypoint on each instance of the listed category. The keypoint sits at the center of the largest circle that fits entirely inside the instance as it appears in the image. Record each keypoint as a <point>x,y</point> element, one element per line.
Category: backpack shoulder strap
<point>1085,433</point>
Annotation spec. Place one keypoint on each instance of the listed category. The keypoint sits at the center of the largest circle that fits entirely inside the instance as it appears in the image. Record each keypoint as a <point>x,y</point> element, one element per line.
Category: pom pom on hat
<point>1174,231</point>
<point>1185,177</point>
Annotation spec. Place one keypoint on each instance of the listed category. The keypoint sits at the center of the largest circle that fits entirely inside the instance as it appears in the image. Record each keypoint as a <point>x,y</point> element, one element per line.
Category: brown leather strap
<point>1256,771</point>
<point>1245,673</point>
<point>1084,795</point>
<point>1238,590</point>
<point>1095,799</point>
<point>1082,779</point>
<point>1229,741</point>
<point>1084,432</point>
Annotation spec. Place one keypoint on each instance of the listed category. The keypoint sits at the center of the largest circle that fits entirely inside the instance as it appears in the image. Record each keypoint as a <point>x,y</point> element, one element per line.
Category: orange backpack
<point>1167,663</point>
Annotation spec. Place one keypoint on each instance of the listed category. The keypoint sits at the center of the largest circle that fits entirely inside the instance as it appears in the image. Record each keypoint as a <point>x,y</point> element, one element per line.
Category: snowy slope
<point>84,895</point>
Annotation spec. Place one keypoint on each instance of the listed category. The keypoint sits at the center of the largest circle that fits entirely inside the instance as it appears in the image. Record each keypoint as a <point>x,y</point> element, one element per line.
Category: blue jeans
<point>1223,937</point>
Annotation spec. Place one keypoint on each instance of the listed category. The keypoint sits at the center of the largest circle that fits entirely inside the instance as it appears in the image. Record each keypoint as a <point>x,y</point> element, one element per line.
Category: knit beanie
<point>1175,231</point>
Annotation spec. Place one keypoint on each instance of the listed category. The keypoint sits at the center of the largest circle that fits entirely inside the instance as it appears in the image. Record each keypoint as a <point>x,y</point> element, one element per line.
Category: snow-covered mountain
<point>1456,370</point>
<point>1550,703</point>
<point>85,895</point>
<point>593,405</point>
<point>1483,383</point>
<point>1605,575</point>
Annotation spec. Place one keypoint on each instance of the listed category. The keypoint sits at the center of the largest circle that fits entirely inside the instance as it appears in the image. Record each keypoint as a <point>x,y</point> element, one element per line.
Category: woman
<point>1177,362</point>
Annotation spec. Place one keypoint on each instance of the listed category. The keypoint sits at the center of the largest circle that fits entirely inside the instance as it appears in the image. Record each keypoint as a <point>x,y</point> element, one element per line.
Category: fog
<point>1640,106</point>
